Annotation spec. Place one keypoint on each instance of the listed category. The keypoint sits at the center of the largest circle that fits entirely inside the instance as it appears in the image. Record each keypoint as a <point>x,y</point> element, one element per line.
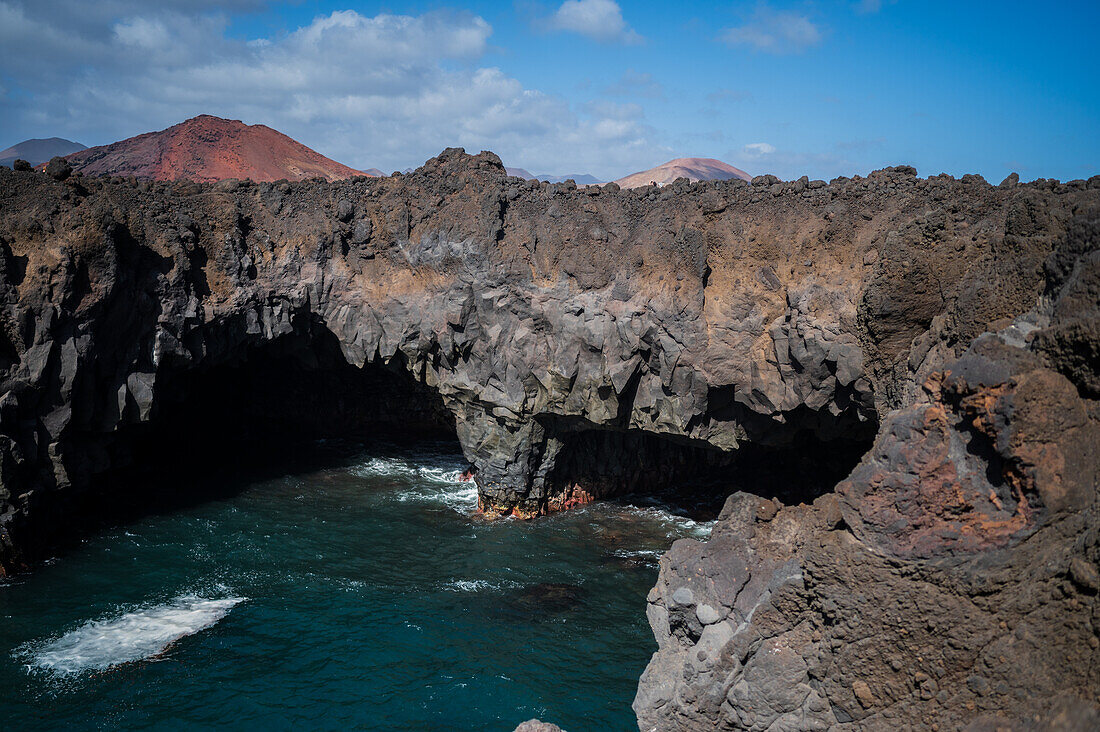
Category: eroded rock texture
<point>586,342</point>
<point>950,582</point>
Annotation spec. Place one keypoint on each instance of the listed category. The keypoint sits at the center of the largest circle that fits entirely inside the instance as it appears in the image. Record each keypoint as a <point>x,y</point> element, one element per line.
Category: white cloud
<point>386,91</point>
<point>601,20</point>
<point>773,31</point>
<point>758,148</point>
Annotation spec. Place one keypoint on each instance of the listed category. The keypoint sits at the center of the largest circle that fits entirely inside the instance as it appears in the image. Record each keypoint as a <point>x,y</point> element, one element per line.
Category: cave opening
<point>290,405</point>
<point>695,478</point>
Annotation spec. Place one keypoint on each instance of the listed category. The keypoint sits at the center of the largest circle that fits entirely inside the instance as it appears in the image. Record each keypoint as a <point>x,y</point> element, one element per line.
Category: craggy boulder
<point>949,584</point>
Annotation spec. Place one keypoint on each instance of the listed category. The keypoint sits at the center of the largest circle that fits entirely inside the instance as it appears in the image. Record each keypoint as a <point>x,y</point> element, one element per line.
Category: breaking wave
<point>131,636</point>
<point>460,499</point>
<point>435,481</point>
<point>393,467</point>
<point>477,585</point>
<point>676,523</point>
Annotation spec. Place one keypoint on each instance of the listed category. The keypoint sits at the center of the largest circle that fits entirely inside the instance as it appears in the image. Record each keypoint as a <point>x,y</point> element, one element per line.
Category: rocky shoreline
<point>895,377</point>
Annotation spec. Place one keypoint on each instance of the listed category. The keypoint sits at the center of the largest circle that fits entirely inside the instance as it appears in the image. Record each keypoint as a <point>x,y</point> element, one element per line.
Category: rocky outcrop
<point>534,725</point>
<point>772,337</point>
<point>951,581</point>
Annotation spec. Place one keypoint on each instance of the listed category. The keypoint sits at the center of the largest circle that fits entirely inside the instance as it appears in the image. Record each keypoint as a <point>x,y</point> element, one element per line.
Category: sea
<point>366,594</point>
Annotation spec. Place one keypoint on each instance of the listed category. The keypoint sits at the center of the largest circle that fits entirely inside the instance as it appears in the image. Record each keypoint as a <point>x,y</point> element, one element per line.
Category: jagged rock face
<point>712,316</point>
<point>950,582</point>
<point>730,329</point>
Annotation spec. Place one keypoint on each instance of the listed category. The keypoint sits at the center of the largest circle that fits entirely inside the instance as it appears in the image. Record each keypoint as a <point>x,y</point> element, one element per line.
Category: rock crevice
<point>774,337</point>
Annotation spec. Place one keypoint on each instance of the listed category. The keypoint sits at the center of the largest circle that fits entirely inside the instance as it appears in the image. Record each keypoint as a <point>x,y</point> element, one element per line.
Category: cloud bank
<point>386,90</point>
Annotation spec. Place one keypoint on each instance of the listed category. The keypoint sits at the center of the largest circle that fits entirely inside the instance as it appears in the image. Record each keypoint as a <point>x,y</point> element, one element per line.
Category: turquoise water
<point>366,595</point>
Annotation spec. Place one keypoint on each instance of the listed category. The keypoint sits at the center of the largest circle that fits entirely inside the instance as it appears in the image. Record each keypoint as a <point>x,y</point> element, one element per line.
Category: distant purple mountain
<point>39,151</point>
<point>578,178</point>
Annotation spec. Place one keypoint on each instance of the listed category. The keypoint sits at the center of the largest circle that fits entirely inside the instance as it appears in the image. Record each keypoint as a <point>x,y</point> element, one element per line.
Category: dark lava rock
<point>59,168</point>
<point>930,345</point>
<point>21,165</point>
<point>920,555</point>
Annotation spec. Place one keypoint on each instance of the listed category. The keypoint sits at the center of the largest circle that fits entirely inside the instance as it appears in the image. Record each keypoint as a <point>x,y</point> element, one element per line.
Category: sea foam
<point>435,482</point>
<point>394,467</point>
<point>478,585</point>
<point>131,636</point>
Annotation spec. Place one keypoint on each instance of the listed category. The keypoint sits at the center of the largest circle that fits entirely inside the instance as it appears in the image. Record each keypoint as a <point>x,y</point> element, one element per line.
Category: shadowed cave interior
<point>294,404</point>
<point>695,478</point>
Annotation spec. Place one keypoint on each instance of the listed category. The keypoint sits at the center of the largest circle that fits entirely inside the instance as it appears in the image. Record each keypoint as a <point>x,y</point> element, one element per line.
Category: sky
<point>817,87</point>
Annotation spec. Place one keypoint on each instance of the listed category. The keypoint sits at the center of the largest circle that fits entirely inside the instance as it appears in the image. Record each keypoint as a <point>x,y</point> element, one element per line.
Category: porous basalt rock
<point>724,331</point>
<point>58,168</point>
<point>543,316</point>
<point>947,584</point>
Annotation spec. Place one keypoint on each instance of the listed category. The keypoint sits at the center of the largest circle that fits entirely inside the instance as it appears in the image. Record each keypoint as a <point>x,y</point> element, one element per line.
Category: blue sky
<point>822,88</point>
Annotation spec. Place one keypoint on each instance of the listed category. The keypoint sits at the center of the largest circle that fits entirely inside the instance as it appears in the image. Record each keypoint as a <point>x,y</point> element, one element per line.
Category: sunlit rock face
<point>950,580</point>
<point>776,337</point>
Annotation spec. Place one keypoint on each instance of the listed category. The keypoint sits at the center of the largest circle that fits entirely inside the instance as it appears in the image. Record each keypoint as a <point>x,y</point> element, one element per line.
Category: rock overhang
<point>721,313</point>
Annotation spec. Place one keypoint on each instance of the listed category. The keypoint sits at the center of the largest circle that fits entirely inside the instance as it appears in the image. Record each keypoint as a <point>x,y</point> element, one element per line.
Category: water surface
<point>366,595</point>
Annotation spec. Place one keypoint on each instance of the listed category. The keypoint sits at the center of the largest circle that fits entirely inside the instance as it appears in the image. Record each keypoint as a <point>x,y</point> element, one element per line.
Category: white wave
<point>461,500</point>
<point>477,585</point>
<point>435,480</point>
<point>385,467</point>
<point>647,554</point>
<point>442,475</point>
<point>142,633</point>
<point>676,523</point>
<point>391,467</point>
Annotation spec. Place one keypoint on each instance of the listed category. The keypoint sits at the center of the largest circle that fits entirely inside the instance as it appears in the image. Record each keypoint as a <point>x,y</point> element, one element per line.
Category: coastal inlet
<point>367,594</point>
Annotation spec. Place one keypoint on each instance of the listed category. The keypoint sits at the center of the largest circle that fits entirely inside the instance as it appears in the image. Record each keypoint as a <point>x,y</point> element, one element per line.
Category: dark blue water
<point>366,595</point>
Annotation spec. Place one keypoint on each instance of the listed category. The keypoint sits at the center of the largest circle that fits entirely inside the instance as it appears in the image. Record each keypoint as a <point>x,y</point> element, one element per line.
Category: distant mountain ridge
<point>208,148</point>
<point>581,179</point>
<point>691,168</point>
<point>39,150</point>
<point>578,178</point>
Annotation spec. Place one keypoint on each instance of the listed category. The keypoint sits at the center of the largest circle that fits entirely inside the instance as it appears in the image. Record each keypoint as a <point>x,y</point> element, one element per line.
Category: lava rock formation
<point>895,377</point>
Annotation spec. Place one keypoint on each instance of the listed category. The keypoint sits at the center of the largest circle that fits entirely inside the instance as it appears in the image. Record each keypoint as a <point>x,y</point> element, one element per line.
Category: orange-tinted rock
<point>993,451</point>
<point>208,148</point>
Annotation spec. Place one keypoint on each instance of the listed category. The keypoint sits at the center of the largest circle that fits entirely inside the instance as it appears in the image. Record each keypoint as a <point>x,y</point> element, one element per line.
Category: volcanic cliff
<point>895,378</point>
<point>207,148</point>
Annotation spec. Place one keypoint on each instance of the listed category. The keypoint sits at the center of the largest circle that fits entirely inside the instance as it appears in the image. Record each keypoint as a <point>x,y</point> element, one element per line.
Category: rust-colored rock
<point>713,336</point>
<point>207,148</point>
<point>998,445</point>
